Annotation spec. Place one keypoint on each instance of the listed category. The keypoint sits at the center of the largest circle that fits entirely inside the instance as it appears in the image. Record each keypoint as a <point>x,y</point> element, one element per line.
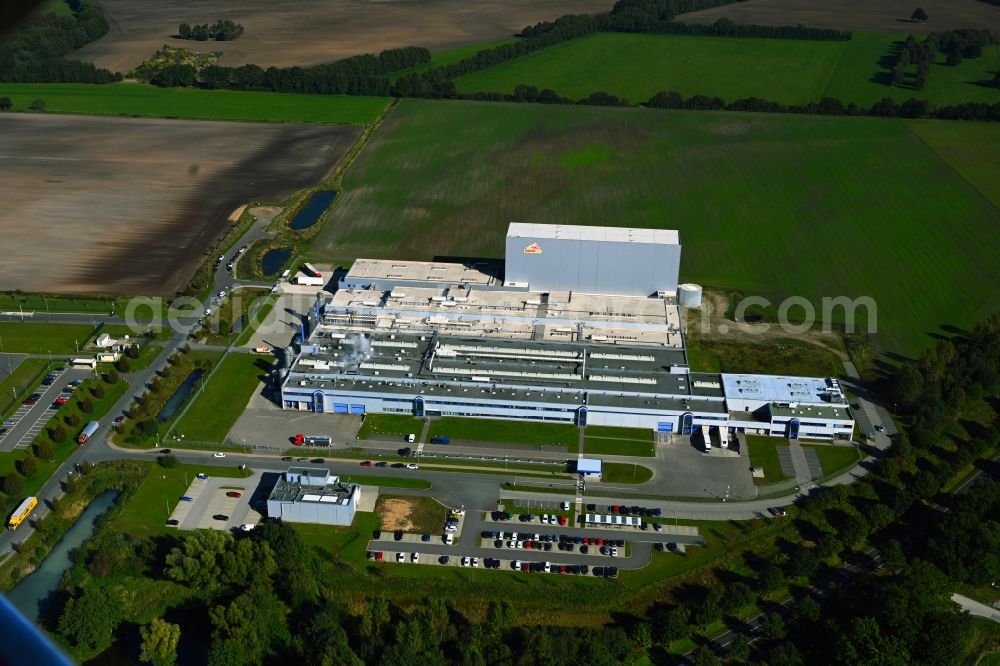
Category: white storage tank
<point>689,295</point>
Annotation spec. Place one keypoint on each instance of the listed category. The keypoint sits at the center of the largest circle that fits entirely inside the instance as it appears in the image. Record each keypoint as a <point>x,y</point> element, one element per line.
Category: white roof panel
<point>774,388</point>
<point>579,232</point>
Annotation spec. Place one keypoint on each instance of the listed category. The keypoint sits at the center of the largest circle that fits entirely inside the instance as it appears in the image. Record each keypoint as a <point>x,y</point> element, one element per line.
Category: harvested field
<point>314,31</point>
<point>132,206</point>
<point>881,16</point>
<point>772,205</point>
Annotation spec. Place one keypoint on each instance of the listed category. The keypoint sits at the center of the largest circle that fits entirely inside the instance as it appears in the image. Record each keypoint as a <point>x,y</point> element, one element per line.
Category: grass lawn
<point>23,380</point>
<point>32,338</point>
<point>386,481</point>
<point>140,99</point>
<point>260,315</point>
<point>146,513</point>
<point>625,473</point>
<point>382,426</point>
<point>147,355</point>
<point>14,302</point>
<point>834,458</point>
<point>637,66</point>
<point>224,397</point>
<point>229,321</point>
<point>618,441</point>
<point>764,453</point>
<point>801,205</point>
<point>348,543</point>
<point>702,360</point>
<point>504,432</point>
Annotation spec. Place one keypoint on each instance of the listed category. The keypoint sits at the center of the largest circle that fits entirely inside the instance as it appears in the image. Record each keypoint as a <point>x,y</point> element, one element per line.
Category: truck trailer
<point>88,432</point>
<point>309,280</point>
<point>311,271</point>
<point>22,513</point>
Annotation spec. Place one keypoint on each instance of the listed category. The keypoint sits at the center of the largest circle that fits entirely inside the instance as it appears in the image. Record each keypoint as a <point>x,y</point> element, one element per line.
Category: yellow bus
<point>22,513</point>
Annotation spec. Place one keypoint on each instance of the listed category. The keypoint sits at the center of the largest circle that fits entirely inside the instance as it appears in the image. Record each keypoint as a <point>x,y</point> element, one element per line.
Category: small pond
<point>32,593</point>
<point>171,406</point>
<point>273,260</point>
<point>309,214</point>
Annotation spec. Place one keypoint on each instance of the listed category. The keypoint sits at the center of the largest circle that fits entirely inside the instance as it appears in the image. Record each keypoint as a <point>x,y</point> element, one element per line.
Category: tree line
<point>358,75</point>
<point>220,31</point>
<point>35,52</point>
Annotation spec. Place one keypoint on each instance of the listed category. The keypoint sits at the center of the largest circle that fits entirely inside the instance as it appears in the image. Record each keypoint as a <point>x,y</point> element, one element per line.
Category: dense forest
<point>266,595</point>
<point>36,52</point>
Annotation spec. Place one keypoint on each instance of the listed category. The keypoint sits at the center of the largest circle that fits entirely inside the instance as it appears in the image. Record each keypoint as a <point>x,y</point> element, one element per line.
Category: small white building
<point>312,495</point>
<point>590,468</point>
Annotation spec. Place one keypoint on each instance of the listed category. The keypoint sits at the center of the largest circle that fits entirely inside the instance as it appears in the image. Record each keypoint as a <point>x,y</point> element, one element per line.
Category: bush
<point>44,450</point>
<point>122,365</point>
<point>97,391</point>
<point>72,420</point>
<point>132,351</point>
<point>12,484</point>
<point>37,105</point>
<point>58,435</point>
<point>168,461</point>
<point>85,405</point>
<point>28,466</point>
<point>5,104</point>
<point>111,376</point>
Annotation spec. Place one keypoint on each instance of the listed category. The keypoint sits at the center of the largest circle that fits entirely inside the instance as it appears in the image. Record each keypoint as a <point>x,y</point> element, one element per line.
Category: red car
<point>525,567</point>
<point>378,556</point>
<point>562,569</point>
<point>233,493</point>
<point>562,520</point>
<point>29,402</point>
<point>61,400</point>
<point>299,439</point>
<point>614,509</point>
<point>366,463</point>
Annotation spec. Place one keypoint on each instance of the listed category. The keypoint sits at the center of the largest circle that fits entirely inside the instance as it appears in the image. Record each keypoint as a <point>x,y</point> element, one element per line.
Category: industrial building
<point>572,333</point>
<point>312,495</point>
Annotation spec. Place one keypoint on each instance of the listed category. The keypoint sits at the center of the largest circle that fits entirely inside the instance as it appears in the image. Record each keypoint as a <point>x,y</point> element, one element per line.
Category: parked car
<point>220,516</point>
<point>425,537</point>
<point>382,464</point>
<point>444,559</point>
<point>366,463</point>
<point>440,439</point>
<point>286,459</point>
<point>318,461</point>
<point>218,454</point>
<point>234,494</point>
<point>173,522</point>
<point>415,557</point>
<point>163,452</point>
<point>202,476</point>
<point>777,511</point>
<point>449,539</point>
<point>411,466</point>
<point>185,498</point>
<point>119,419</point>
<point>400,557</point>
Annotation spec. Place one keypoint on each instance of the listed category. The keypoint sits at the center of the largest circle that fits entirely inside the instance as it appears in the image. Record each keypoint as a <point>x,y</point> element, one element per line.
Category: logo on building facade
<point>534,248</point>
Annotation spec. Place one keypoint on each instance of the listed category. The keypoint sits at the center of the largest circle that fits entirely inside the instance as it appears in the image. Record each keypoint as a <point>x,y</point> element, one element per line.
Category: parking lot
<point>29,420</point>
<point>211,497</point>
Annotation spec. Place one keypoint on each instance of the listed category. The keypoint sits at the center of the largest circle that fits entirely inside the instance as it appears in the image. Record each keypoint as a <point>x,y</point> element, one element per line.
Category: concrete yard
<point>128,205</point>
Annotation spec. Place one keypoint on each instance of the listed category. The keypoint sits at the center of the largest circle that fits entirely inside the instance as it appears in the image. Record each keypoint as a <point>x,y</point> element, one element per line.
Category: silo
<point>689,295</point>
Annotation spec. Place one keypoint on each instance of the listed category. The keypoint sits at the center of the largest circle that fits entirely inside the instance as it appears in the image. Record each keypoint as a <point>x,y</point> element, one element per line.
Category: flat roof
<point>580,232</point>
<point>588,466</point>
<point>332,493</point>
<point>775,388</point>
<point>480,273</point>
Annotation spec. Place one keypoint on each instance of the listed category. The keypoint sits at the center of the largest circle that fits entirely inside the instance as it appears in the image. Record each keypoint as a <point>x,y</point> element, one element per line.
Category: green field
<point>763,453</point>
<point>224,397</point>
<point>382,426</point>
<point>771,205</point>
<point>637,66</point>
<point>31,338</point>
<point>139,99</point>
<point>504,432</point>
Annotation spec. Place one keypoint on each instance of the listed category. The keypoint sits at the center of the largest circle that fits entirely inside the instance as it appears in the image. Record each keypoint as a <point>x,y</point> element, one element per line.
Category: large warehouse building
<point>441,339</point>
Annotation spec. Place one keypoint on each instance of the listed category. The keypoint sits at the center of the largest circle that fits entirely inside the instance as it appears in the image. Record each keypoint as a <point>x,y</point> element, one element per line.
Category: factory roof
<point>333,492</point>
<point>776,388</point>
<point>480,273</point>
<point>579,232</point>
<point>829,412</point>
<point>588,466</point>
